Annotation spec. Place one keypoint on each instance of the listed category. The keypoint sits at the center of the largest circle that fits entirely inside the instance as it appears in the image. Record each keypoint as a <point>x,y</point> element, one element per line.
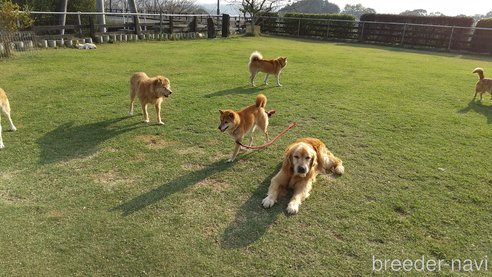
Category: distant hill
<point>232,9</point>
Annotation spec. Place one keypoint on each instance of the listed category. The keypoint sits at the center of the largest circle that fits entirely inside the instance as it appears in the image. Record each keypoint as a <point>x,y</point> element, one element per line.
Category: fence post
<point>328,28</point>
<point>451,38</point>
<point>171,24</point>
<point>160,21</point>
<point>79,21</point>
<point>299,27</point>
<point>211,27</point>
<point>226,24</point>
<point>137,24</point>
<point>361,38</point>
<point>403,35</point>
<point>92,29</point>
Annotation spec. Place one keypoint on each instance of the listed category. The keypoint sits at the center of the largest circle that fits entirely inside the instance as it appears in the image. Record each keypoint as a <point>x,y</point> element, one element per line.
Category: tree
<point>417,12</point>
<point>254,8</point>
<point>10,15</point>
<point>357,10</point>
<point>311,6</point>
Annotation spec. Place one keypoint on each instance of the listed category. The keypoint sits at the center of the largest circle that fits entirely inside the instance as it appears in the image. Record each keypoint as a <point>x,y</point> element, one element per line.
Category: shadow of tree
<point>478,107</point>
<point>252,220</point>
<point>238,90</point>
<point>178,184</point>
<point>67,141</point>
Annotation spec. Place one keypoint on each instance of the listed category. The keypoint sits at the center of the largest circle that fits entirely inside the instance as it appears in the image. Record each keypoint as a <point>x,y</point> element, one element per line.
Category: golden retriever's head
<point>300,159</point>
<point>162,86</point>
<point>228,119</point>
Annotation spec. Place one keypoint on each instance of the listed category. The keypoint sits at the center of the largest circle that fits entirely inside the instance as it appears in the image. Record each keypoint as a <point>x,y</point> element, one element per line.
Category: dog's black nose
<point>301,169</point>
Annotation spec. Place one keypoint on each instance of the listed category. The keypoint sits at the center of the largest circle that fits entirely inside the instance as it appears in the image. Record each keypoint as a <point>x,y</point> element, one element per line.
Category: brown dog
<point>483,85</point>
<point>243,122</point>
<point>5,107</point>
<point>258,64</point>
<point>149,91</point>
<point>303,161</point>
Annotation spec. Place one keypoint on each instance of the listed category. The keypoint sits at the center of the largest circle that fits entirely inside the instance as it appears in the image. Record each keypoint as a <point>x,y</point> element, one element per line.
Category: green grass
<point>87,190</point>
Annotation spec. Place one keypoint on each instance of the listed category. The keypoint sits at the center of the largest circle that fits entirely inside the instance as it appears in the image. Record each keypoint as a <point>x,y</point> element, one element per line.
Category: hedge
<point>320,28</point>
<point>415,33</point>
<point>482,39</point>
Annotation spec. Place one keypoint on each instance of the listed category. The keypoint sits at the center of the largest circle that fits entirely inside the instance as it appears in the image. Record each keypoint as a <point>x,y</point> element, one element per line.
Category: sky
<point>449,7</point>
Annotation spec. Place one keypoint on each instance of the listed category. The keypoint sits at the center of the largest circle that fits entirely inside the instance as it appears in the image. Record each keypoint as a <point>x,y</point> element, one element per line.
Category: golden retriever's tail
<point>255,56</point>
<point>479,71</point>
<point>261,101</point>
<point>338,167</point>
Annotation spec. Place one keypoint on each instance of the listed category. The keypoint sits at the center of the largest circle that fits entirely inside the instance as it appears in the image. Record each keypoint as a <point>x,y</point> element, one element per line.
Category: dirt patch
<point>214,185</point>
<point>194,150</point>
<point>154,142</point>
<point>113,178</point>
<point>192,167</point>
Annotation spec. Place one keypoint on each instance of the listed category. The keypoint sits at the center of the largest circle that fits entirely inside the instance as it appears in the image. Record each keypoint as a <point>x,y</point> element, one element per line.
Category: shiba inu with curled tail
<point>258,64</point>
<point>243,122</point>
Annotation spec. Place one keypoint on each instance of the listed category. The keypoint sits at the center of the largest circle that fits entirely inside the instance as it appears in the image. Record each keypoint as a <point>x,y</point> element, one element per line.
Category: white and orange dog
<point>258,64</point>
<point>483,84</point>
<point>244,122</point>
<point>303,161</point>
<point>149,91</point>
<point>5,107</point>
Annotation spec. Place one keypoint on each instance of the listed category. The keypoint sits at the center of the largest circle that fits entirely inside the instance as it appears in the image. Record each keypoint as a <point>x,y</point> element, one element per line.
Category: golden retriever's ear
<point>157,82</point>
<point>314,162</point>
<point>287,165</point>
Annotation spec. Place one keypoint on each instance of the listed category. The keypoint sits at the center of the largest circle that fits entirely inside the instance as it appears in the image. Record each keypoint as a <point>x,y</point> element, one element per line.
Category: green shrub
<point>338,25</point>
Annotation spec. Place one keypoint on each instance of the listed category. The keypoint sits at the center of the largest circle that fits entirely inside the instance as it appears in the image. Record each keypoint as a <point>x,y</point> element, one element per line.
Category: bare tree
<point>255,8</point>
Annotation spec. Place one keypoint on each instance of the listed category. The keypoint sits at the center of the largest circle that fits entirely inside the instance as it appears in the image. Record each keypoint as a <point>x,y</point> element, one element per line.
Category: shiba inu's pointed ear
<point>231,116</point>
<point>221,111</point>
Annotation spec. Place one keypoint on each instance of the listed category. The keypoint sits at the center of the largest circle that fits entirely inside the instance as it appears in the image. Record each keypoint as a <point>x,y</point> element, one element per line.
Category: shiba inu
<point>244,122</point>
<point>258,64</point>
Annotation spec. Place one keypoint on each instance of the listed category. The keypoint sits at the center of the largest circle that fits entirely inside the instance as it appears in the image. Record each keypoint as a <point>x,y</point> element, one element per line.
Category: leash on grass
<point>270,142</point>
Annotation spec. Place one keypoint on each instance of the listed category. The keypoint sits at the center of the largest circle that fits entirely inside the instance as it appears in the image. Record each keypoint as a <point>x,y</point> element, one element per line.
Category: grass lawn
<point>87,190</point>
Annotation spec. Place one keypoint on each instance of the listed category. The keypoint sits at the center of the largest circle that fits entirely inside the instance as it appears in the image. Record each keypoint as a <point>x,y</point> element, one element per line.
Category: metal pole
<point>450,38</point>
<point>101,18</point>
<point>63,17</point>
<point>218,7</point>
<point>403,35</point>
<point>299,27</point>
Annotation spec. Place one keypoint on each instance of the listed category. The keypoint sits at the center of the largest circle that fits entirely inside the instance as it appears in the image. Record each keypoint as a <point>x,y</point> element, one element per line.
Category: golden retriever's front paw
<point>293,208</point>
<point>267,202</point>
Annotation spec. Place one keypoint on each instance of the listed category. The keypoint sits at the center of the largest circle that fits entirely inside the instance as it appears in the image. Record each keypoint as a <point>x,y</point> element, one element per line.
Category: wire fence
<point>449,38</point>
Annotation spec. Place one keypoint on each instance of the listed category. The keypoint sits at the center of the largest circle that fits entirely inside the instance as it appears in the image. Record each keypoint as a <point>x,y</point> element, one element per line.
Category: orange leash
<point>270,142</point>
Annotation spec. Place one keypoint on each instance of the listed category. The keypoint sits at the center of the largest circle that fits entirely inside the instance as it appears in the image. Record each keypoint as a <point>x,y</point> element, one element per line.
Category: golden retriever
<point>258,64</point>
<point>483,85</point>
<point>303,161</point>
<point>240,123</point>
<point>5,107</point>
<point>149,91</point>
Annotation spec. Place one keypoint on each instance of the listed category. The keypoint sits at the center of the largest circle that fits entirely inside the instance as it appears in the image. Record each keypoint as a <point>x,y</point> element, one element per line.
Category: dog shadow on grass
<point>69,141</point>
<point>239,90</point>
<point>478,107</point>
<point>180,183</point>
<point>251,219</point>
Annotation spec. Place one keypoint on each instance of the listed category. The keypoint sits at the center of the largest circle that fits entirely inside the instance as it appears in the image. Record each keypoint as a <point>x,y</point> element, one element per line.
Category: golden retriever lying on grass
<point>303,161</point>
